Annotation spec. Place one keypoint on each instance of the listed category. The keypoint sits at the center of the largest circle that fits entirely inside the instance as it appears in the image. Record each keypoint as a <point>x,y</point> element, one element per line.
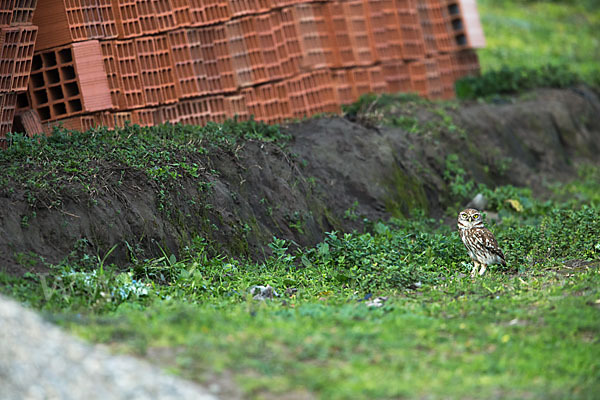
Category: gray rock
<point>479,202</point>
<point>377,302</point>
<point>39,361</point>
<point>263,292</point>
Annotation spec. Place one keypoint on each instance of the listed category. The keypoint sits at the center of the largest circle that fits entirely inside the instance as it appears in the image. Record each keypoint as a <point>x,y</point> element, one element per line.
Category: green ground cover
<point>529,33</point>
<point>529,331</point>
<point>47,164</point>
<point>535,43</point>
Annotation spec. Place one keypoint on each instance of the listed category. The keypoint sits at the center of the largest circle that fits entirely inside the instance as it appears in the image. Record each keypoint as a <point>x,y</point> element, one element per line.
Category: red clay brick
<point>31,122</point>
<point>91,76</point>
<point>22,11</point>
<point>236,106</point>
<point>132,93</point>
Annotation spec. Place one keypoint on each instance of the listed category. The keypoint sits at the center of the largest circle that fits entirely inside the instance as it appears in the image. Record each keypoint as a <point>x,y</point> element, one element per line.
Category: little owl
<point>479,241</point>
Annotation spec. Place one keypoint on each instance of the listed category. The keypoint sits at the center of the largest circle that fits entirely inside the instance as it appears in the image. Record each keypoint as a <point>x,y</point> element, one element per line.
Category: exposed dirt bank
<point>333,173</point>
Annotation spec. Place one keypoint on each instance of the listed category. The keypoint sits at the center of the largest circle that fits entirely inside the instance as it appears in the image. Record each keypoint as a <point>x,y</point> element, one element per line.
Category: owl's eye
<point>476,216</point>
<point>463,215</point>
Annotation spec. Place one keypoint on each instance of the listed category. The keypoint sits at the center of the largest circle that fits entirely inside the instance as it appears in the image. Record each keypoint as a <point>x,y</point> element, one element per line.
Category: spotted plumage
<point>479,241</point>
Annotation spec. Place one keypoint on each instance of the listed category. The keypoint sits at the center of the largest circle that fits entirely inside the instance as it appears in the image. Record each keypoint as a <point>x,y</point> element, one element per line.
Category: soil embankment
<point>332,175</point>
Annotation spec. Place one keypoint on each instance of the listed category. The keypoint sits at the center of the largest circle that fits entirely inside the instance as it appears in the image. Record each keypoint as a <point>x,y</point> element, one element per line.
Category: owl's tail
<point>500,253</point>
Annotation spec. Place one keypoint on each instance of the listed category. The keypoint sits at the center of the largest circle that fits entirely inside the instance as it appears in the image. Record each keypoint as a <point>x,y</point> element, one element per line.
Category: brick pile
<point>17,39</point>
<point>105,62</point>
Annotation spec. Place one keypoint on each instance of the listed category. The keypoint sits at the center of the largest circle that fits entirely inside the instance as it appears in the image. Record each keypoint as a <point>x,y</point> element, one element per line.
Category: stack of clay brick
<point>17,38</point>
<point>105,62</point>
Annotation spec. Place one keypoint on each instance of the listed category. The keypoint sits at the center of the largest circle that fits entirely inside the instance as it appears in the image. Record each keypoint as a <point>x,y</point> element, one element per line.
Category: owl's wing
<point>484,238</point>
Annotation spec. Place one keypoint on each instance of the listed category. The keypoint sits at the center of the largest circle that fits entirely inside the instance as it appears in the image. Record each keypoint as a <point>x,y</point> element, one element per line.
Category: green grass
<point>82,164</point>
<point>528,331</point>
<point>533,44</point>
<point>159,152</point>
<point>536,33</point>
<point>510,337</point>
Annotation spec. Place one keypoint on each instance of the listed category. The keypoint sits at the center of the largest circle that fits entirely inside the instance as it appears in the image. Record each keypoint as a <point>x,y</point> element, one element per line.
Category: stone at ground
<point>478,202</point>
<point>260,292</point>
<point>39,361</point>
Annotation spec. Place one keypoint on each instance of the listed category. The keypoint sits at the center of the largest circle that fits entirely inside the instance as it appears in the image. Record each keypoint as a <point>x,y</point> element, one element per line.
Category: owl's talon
<point>474,269</point>
<point>482,271</point>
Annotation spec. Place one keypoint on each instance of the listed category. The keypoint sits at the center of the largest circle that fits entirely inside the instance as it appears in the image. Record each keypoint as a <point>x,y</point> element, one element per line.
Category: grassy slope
<point>535,33</point>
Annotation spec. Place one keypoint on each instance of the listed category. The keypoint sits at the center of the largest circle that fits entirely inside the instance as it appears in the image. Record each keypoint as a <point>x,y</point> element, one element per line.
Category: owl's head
<point>470,218</point>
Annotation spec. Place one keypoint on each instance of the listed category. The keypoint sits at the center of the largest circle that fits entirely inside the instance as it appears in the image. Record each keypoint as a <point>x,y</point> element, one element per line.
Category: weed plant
<point>511,80</point>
